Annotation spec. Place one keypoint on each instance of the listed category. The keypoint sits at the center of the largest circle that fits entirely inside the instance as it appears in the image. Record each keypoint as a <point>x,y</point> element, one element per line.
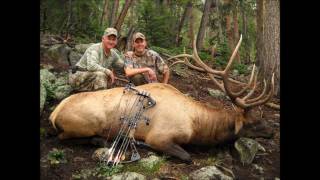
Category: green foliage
<point>224,53</point>
<point>242,68</point>
<point>42,132</point>
<point>56,156</point>
<point>146,170</point>
<point>105,171</point>
<point>100,171</point>
<point>184,177</point>
<point>157,23</point>
<point>80,18</point>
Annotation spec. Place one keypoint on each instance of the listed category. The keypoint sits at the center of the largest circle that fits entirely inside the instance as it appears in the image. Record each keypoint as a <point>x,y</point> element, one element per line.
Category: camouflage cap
<point>138,35</point>
<point>110,31</point>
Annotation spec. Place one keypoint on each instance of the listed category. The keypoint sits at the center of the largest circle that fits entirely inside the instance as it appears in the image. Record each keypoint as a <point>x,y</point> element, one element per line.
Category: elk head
<point>244,102</point>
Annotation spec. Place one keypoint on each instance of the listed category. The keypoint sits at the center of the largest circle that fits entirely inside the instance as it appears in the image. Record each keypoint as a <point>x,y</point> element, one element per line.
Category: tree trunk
<point>186,15</point>
<point>105,12</point>
<point>190,32</point>
<point>114,13</point>
<point>44,19</point>
<point>268,40</point>
<point>229,31</point>
<point>203,24</point>
<point>122,15</point>
<point>129,39</point>
<point>219,21</point>
<point>236,31</point>
<point>244,34</point>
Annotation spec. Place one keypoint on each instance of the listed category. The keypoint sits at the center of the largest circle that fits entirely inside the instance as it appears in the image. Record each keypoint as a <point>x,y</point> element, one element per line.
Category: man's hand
<point>152,75</point>
<point>110,74</point>
<point>112,77</point>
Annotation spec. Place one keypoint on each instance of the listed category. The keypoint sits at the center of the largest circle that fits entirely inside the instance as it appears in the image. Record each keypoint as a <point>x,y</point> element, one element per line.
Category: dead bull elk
<point>175,120</point>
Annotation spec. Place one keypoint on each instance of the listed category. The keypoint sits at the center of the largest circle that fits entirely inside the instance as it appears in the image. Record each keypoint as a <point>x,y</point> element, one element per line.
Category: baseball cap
<point>110,31</point>
<point>138,35</point>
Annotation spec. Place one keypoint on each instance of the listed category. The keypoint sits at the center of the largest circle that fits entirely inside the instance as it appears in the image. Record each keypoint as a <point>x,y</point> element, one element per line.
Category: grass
<point>42,132</point>
<point>145,170</point>
<point>56,156</point>
<point>100,171</point>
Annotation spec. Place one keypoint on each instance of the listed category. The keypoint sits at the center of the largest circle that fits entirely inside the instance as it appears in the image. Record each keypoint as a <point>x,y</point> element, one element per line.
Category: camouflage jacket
<point>149,59</point>
<point>95,59</point>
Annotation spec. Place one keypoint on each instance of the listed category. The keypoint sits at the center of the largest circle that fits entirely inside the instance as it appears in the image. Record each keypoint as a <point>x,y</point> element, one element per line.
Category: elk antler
<point>244,102</point>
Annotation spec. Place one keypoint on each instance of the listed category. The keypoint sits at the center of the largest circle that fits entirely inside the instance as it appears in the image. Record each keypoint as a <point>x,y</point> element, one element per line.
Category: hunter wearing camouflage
<point>143,65</point>
<point>97,64</point>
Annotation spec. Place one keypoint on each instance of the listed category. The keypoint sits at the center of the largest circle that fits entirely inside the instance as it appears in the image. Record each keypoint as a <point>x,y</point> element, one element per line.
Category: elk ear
<point>238,126</point>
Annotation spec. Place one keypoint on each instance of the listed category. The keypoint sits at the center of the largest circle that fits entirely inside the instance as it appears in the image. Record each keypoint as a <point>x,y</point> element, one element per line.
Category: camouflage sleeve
<point>162,67</point>
<point>118,60</point>
<point>93,61</point>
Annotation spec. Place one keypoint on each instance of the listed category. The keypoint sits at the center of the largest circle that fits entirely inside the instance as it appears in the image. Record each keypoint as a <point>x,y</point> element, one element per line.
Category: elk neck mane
<point>213,125</point>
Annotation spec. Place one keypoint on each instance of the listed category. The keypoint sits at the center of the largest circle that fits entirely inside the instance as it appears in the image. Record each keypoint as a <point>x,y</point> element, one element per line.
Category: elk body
<point>175,120</point>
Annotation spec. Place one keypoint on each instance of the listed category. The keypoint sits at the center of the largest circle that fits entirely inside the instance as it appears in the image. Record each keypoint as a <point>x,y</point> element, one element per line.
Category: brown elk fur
<point>176,119</point>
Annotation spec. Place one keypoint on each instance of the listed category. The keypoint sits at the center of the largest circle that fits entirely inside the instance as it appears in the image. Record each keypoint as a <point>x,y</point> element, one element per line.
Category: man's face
<point>109,42</point>
<point>140,45</point>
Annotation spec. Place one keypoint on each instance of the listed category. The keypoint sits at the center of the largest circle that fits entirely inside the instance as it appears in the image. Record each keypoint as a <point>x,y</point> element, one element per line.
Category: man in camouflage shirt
<point>144,65</point>
<point>97,64</point>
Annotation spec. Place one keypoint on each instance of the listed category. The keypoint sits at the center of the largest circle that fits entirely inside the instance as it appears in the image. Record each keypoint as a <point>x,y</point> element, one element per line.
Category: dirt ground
<point>79,156</point>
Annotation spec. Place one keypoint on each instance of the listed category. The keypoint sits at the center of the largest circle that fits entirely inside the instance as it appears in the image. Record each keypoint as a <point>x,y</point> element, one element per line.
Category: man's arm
<point>92,65</point>
<point>166,75</point>
<point>133,71</point>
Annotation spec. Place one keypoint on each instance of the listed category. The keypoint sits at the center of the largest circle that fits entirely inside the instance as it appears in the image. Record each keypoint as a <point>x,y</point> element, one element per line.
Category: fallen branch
<point>191,66</point>
<point>272,105</point>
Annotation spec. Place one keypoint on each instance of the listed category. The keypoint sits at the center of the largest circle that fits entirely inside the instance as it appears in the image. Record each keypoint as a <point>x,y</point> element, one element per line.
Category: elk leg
<point>99,141</point>
<point>178,151</point>
<point>173,150</point>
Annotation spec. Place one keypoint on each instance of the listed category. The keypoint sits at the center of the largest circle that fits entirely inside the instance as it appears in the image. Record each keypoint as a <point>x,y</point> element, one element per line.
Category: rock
<point>180,71</point>
<point>43,96</point>
<point>249,67</point>
<point>150,162</point>
<point>128,176</point>
<point>56,88</point>
<point>235,72</point>
<point>58,53</point>
<point>62,79</point>
<point>46,66</point>
<point>259,168</point>
<point>99,154</point>
<point>62,92</point>
<point>74,57</point>
<point>47,79</point>
<point>47,76</point>
<point>209,173</point>
<point>62,88</point>
<point>81,48</point>
<point>247,149</point>
<point>217,94</point>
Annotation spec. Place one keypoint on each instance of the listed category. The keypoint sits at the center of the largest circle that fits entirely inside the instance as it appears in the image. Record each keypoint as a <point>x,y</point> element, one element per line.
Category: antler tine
<point>209,70</point>
<point>228,91</point>
<point>233,56</point>
<point>200,62</point>
<point>261,95</point>
<point>249,83</point>
<point>259,101</point>
<point>253,89</point>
